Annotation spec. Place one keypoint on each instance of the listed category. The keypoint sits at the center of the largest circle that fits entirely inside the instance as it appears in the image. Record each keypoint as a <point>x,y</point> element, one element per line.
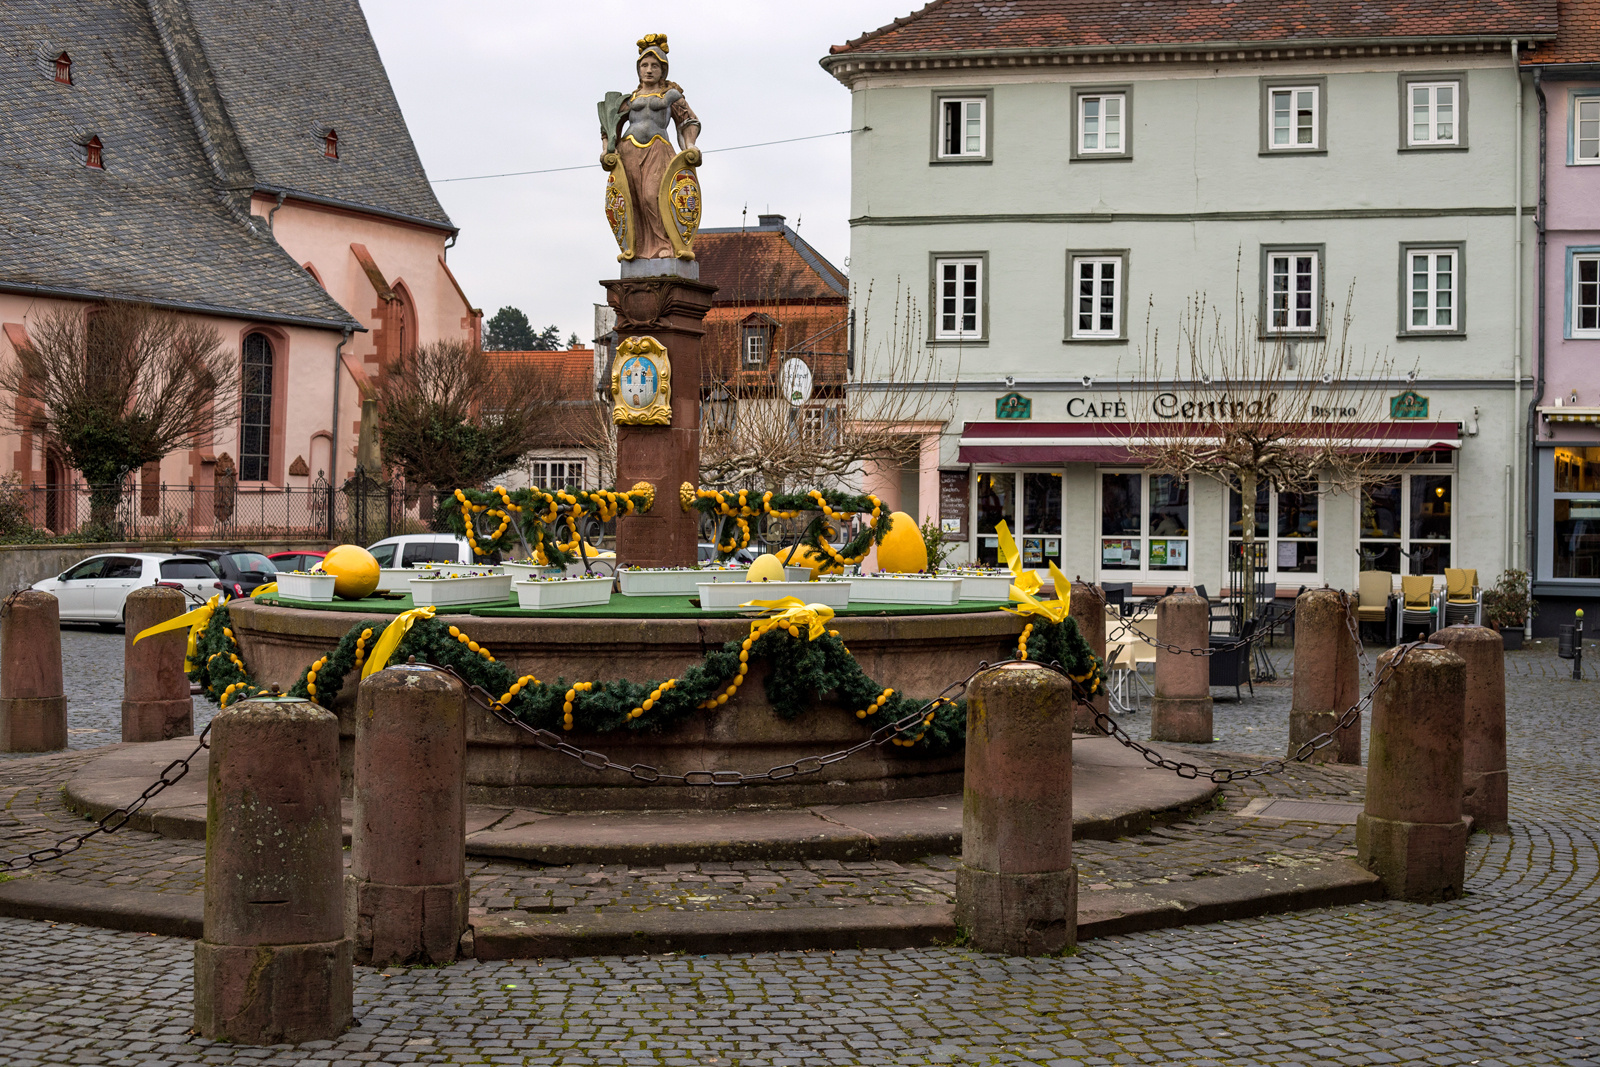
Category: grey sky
<point>506,85</point>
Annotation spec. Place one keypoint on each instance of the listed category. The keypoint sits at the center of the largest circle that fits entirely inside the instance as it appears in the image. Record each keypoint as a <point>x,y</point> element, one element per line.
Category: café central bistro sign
<point>1180,408</point>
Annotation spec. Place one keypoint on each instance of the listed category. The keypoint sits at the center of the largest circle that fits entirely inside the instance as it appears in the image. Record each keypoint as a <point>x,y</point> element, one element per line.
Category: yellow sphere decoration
<point>355,572</point>
<point>806,556</point>
<point>766,568</point>
<point>902,550</point>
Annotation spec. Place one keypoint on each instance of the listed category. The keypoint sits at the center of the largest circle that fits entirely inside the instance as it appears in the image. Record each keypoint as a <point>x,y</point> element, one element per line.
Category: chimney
<point>770,222</point>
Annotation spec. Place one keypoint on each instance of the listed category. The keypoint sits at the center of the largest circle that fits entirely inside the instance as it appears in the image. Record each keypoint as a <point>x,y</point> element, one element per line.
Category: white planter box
<point>797,574</point>
<point>720,596</point>
<point>984,586</point>
<point>570,593</point>
<point>316,587</point>
<point>886,589</point>
<point>396,579</point>
<point>523,571</point>
<point>453,592</point>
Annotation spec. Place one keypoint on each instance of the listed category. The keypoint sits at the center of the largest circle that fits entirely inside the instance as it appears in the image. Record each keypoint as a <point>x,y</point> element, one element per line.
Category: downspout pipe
<point>1540,223</point>
<point>1514,554</point>
<point>338,372</point>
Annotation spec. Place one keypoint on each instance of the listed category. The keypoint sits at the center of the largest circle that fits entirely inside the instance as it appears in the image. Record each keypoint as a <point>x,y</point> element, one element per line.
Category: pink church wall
<point>1572,221</point>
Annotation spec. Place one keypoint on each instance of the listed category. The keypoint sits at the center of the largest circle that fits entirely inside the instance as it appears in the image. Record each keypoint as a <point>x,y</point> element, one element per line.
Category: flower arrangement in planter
<point>1508,605</point>
<point>305,585</point>
<point>542,592</point>
<point>674,581</point>
<point>446,588</point>
<point>981,583</point>
<point>906,588</point>
<point>522,569</point>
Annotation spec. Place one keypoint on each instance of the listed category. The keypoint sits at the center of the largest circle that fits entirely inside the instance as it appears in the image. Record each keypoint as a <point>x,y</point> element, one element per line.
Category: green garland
<point>803,671</point>
<point>525,521</point>
<point>733,507</point>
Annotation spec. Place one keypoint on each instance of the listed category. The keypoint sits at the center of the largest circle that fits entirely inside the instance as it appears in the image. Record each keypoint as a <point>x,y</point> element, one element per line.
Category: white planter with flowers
<point>906,589</point>
<point>674,581</point>
<point>448,589</point>
<point>317,588</point>
<point>523,571</point>
<point>537,594</point>
<point>722,596</point>
<point>977,585</point>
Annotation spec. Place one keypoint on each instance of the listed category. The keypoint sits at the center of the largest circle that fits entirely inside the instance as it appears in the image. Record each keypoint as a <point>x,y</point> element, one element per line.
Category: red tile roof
<point>1577,38</point>
<point>572,368</point>
<point>768,265</point>
<point>953,25</point>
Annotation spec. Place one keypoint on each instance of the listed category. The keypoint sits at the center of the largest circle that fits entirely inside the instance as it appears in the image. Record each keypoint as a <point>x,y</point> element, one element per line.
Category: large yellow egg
<point>354,571</point>
<point>766,568</point>
<point>806,556</point>
<point>902,550</point>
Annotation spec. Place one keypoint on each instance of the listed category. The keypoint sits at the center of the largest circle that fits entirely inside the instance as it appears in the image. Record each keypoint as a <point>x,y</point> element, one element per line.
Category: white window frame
<point>1103,102</point>
<point>1101,265</point>
<point>1433,139</point>
<point>1273,538</point>
<point>1145,573</point>
<point>1290,92</point>
<point>1431,273</point>
<point>542,473</point>
<point>1585,113</point>
<point>1017,524</point>
<point>965,289</point>
<point>757,346</point>
<point>1579,260</point>
<point>1291,275</point>
<point>966,105</point>
<point>1407,543</point>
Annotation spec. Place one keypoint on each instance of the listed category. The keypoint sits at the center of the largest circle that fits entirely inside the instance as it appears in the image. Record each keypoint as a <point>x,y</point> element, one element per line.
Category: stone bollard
<point>156,705</point>
<point>33,703</point>
<point>273,965</point>
<point>1483,738</point>
<point>1181,710</point>
<point>1327,675</point>
<point>1016,887</point>
<point>1411,834</point>
<point>1089,610</point>
<point>407,891</point>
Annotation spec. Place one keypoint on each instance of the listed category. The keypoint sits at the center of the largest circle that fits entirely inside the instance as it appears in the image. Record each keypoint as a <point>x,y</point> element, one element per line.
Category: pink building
<point>245,163</point>
<point>1565,415</point>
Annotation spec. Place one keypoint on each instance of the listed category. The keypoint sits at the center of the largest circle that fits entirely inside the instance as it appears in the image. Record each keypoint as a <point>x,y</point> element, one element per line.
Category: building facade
<point>244,164</point>
<point>1059,182</point>
<point>1564,421</point>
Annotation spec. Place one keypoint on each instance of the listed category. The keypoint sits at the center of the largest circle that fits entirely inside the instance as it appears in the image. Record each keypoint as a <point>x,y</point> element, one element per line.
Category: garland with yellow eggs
<point>732,510</point>
<point>528,522</point>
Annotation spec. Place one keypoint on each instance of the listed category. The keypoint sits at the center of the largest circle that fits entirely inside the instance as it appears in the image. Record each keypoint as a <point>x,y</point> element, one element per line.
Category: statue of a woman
<point>653,194</point>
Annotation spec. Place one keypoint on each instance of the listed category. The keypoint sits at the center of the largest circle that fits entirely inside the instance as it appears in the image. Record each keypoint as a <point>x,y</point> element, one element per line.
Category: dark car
<point>296,561</point>
<point>243,571</point>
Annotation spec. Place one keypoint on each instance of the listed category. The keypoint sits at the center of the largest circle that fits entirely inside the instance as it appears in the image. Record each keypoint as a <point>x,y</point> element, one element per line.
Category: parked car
<point>748,554</point>
<point>408,550</point>
<point>240,571</point>
<point>296,561</point>
<point>96,589</point>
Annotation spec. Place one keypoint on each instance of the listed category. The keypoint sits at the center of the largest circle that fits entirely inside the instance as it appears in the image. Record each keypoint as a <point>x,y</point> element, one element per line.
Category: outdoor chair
<point>1418,605</point>
<point>1374,593</point>
<point>1117,594</point>
<point>1232,666</point>
<point>1463,600</point>
<point>1219,612</point>
<point>1125,681</point>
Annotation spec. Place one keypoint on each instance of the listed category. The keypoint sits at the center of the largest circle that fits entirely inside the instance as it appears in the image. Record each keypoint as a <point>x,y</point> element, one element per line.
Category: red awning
<point>1110,442</point>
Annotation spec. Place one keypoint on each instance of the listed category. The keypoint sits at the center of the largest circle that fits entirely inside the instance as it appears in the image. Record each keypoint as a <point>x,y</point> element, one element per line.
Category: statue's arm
<point>688,124</point>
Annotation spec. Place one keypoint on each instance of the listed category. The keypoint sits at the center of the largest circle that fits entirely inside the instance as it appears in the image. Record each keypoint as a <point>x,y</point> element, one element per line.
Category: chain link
<point>117,818</point>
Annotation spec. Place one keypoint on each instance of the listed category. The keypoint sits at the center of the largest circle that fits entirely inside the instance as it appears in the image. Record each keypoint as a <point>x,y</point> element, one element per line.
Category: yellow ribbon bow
<point>196,620</point>
<point>793,612</point>
<point>1023,580</point>
<point>1055,610</point>
<point>378,658</point>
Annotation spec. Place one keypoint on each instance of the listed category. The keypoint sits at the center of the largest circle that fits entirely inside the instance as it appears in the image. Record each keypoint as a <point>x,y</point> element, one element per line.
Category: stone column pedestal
<point>1327,675</point>
<point>156,705</point>
<point>1017,888</point>
<point>670,309</point>
<point>1483,738</point>
<point>33,704</point>
<point>1181,710</point>
<point>273,964</point>
<point>407,891</point>
<point>1088,609</point>
<point>1411,834</point>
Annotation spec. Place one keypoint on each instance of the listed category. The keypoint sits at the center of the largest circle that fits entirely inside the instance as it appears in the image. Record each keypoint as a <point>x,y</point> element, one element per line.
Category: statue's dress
<point>645,153</point>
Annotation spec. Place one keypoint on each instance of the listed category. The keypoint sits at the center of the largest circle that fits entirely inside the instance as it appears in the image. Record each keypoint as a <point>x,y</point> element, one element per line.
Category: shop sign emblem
<point>1408,405</point>
<point>1013,406</point>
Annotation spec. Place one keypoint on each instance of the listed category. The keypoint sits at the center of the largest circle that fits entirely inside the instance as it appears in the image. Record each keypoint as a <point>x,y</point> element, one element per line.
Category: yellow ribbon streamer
<point>264,590</point>
<point>378,658</point>
<point>1022,577</point>
<point>1055,610</point>
<point>196,621</point>
<point>791,611</point>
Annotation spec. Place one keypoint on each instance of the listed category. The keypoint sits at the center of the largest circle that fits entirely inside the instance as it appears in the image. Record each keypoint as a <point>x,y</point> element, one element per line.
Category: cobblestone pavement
<point>1508,975</point>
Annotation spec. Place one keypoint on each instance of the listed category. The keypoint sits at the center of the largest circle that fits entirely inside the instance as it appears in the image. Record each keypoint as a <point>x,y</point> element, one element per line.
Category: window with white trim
<point>1292,288</point>
<point>999,496</point>
<point>1097,296</point>
<point>1586,296</point>
<point>1144,522</point>
<point>756,344</point>
<point>1293,117</point>
<point>1433,113</point>
<point>1286,524</point>
<point>959,287</point>
<point>1586,130</point>
<point>1100,123</point>
<point>963,127</point>
<point>1407,523</point>
<point>557,474</point>
<point>1432,280</point>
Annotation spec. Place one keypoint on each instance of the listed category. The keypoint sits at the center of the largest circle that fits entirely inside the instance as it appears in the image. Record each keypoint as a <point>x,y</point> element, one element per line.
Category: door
<point>122,576</point>
<point>75,594</point>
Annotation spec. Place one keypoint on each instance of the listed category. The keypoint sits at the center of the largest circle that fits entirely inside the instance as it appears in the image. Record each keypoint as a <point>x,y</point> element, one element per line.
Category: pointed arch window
<point>92,157</point>
<point>64,69</point>
<point>330,144</point>
<point>255,424</point>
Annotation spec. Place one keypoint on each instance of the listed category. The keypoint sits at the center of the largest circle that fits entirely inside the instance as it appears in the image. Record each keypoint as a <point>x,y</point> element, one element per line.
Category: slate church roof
<point>167,220</point>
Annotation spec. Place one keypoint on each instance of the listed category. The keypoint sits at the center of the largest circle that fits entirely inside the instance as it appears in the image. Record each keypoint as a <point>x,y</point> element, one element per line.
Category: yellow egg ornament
<point>766,568</point>
<point>355,572</point>
<point>806,556</point>
<point>902,550</point>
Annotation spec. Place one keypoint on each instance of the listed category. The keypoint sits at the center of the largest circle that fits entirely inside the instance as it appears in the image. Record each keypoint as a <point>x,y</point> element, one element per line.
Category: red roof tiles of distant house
<point>988,25</point>
<point>766,266</point>
<point>572,368</point>
<point>1577,38</point>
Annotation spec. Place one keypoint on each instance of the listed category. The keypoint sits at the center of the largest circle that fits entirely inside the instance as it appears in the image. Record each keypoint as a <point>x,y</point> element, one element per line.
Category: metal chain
<point>1126,628</point>
<point>644,772</point>
<point>1224,775</point>
<point>117,818</point>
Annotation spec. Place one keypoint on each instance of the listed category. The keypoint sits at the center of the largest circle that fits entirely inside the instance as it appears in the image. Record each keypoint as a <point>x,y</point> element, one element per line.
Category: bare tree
<point>1254,408</point>
<point>119,386</point>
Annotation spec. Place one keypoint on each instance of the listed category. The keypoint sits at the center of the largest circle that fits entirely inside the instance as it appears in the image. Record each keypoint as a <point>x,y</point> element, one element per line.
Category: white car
<point>94,590</point>
<point>408,550</point>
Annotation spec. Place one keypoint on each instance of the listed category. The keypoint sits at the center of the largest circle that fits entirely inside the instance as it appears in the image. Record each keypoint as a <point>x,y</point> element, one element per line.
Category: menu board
<point>954,494</point>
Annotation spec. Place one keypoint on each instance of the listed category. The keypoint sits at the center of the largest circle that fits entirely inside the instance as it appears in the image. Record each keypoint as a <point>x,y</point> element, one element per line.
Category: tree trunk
<point>1248,482</point>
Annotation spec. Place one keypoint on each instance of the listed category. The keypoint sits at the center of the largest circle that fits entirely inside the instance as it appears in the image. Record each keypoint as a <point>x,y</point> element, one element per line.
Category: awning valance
<point>1570,413</point>
<point>1110,442</point>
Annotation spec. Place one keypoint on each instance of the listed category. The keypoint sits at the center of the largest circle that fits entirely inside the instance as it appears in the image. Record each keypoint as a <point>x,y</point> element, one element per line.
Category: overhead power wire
<point>590,166</point>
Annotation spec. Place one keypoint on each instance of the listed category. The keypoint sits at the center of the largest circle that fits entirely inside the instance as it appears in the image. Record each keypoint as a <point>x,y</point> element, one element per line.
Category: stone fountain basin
<point>918,655</point>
